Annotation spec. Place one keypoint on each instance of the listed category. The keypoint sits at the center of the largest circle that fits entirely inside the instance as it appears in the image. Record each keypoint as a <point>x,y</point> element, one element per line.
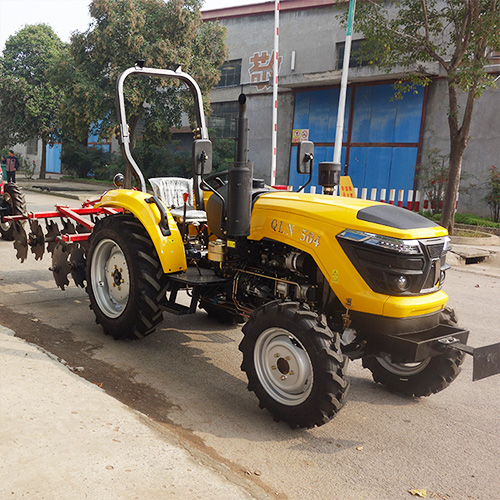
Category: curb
<point>51,193</point>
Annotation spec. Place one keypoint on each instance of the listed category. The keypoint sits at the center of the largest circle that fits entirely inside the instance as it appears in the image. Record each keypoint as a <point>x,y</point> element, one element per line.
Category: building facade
<point>384,139</point>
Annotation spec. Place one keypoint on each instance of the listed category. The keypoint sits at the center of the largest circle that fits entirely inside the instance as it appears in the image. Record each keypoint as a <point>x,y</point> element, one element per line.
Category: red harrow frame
<point>67,246</point>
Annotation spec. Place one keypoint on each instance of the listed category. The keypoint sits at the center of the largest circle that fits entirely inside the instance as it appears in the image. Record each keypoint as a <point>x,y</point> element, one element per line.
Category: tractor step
<point>198,276</point>
<point>198,279</point>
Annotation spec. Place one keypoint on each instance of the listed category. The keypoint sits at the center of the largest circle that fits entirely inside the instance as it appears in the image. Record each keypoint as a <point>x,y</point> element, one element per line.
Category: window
<point>494,57</point>
<point>353,59</point>
<point>230,74</point>
<point>223,119</point>
<point>32,147</point>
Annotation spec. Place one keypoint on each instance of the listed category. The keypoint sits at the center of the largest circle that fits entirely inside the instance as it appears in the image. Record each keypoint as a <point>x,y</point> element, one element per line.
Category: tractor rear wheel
<point>424,378</point>
<point>15,202</point>
<point>294,364</point>
<point>126,283</point>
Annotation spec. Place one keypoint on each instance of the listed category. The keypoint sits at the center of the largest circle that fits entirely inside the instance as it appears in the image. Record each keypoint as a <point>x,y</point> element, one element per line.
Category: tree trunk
<point>43,165</point>
<point>453,184</point>
<point>459,137</point>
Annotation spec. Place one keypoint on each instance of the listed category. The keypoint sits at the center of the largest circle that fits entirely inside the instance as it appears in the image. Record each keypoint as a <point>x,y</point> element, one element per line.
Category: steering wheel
<point>216,178</point>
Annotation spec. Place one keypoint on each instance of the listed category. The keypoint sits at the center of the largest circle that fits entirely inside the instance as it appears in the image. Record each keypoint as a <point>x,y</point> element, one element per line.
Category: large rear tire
<point>294,364</point>
<point>15,202</point>
<point>424,378</point>
<point>126,283</point>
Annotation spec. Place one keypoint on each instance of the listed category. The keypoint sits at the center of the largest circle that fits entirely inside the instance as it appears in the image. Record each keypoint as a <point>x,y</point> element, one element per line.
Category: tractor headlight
<point>409,247</point>
<point>394,266</point>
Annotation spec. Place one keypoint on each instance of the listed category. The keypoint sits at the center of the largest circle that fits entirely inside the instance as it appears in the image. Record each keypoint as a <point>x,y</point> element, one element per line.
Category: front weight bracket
<point>486,359</point>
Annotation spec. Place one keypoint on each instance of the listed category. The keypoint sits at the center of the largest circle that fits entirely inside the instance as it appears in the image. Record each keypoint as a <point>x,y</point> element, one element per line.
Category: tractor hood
<point>343,213</point>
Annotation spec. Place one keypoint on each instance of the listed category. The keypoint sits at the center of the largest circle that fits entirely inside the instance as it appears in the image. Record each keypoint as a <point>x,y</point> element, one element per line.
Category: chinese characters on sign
<point>346,187</point>
<point>261,69</point>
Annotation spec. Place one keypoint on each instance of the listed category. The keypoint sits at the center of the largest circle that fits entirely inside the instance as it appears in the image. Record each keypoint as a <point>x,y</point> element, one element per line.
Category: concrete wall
<point>483,149</point>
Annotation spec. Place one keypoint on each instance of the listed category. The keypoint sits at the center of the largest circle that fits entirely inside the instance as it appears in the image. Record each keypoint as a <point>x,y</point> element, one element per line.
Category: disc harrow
<point>67,244</point>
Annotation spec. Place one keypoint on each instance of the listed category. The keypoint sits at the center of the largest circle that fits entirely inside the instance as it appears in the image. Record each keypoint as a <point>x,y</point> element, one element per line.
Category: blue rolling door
<point>316,111</point>
<point>53,159</point>
<point>381,140</point>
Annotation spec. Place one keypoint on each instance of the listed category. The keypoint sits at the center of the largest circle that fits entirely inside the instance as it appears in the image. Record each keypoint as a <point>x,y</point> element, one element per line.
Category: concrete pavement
<point>64,437</point>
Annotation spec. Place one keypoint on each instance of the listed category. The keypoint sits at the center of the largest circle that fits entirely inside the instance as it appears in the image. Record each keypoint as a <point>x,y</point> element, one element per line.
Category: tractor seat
<point>170,191</point>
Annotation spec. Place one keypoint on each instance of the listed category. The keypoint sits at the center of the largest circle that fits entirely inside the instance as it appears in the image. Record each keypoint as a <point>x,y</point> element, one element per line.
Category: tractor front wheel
<point>424,378</point>
<point>126,283</point>
<point>294,364</point>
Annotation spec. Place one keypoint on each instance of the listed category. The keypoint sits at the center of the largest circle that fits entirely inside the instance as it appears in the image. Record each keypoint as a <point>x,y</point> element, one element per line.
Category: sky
<point>64,16</point>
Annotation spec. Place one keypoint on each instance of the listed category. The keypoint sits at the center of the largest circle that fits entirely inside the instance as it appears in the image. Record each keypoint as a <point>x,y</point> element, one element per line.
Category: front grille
<point>381,268</point>
<point>434,250</point>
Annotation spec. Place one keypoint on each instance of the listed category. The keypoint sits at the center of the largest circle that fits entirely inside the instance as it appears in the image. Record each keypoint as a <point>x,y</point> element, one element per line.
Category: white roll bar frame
<point>122,117</point>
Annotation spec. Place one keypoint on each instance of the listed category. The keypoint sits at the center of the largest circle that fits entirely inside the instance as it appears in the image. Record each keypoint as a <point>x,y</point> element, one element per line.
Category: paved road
<point>187,377</point>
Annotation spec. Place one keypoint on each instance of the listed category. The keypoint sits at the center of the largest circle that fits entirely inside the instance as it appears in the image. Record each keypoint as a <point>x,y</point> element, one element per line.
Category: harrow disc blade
<point>77,263</point>
<point>68,227</point>
<point>20,241</point>
<point>60,265</point>
<point>81,229</point>
<point>36,240</point>
<point>51,237</point>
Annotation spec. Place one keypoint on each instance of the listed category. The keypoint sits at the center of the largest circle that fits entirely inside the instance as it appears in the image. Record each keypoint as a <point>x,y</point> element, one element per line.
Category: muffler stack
<point>239,203</point>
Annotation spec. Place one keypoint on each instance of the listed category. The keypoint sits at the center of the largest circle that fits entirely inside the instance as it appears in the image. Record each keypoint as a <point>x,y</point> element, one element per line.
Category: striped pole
<point>426,202</point>
<point>364,192</point>
<point>382,195</point>
<point>401,195</point>
<point>373,196</point>
<point>417,202</point>
<point>275,89</point>
<point>337,151</point>
<point>409,203</point>
<point>392,195</point>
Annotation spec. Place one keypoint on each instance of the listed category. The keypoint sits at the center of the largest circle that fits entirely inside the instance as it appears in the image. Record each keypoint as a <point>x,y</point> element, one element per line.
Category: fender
<point>170,249</point>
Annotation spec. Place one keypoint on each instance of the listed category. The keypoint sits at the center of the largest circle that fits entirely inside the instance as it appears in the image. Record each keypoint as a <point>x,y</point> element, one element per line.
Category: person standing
<point>12,165</point>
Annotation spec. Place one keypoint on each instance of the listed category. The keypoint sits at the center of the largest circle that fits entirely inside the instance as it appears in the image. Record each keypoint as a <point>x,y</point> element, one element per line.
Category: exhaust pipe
<point>239,204</point>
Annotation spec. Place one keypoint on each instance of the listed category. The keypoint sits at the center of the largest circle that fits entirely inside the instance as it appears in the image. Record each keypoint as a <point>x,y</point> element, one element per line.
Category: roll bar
<point>178,74</point>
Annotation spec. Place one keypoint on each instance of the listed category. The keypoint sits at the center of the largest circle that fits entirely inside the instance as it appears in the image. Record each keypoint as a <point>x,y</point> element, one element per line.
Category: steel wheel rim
<point>283,366</point>
<point>6,225</point>
<point>110,278</point>
<point>402,369</point>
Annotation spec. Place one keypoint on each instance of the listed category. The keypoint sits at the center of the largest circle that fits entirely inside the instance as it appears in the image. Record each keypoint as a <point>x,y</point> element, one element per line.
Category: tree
<point>457,34</point>
<point>164,35</point>
<point>29,102</point>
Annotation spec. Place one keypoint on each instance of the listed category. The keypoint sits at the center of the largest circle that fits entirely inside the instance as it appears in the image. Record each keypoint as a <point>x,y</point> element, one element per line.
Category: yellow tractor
<point>316,279</point>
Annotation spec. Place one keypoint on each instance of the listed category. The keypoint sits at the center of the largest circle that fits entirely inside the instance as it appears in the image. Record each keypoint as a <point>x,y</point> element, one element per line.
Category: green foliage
<point>475,220</point>
<point>464,218</point>
<point>164,35</point>
<point>163,161</point>
<point>82,161</point>
<point>492,197</point>
<point>29,101</point>
<point>432,175</point>
<point>153,160</point>
<point>458,35</point>
<point>223,154</point>
<point>27,167</point>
